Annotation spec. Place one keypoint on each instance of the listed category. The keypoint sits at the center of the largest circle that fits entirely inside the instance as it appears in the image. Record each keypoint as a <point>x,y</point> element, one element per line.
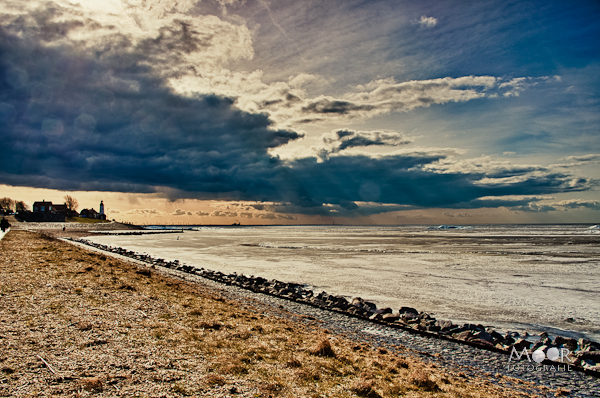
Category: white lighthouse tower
<point>101,214</point>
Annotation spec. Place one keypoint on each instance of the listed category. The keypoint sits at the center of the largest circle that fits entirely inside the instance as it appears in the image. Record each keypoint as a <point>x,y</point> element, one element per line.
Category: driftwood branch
<point>46,363</point>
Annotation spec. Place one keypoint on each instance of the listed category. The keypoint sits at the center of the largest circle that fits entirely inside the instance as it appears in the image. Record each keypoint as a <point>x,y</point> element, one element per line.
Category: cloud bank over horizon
<point>145,101</point>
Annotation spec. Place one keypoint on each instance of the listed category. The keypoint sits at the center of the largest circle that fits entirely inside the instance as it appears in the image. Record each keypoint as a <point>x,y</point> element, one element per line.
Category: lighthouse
<point>101,214</point>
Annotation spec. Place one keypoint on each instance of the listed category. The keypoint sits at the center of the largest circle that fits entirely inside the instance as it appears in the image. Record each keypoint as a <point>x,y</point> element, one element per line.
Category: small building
<point>42,207</point>
<point>89,213</point>
<point>60,209</point>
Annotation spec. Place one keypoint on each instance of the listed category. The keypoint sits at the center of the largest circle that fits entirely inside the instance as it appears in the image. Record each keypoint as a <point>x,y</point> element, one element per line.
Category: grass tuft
<point>421,378</point>
<point>215,379</point>
<point>293,363</point>
<point>365,388</point>
<point>323,349</point>
<point>92,384</point>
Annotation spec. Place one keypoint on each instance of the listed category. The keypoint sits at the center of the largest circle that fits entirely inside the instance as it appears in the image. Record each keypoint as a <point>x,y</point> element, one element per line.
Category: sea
<point>513,277</point>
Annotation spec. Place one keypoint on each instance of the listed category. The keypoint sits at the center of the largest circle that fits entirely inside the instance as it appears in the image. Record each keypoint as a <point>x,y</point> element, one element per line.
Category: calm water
<point>541,277</point>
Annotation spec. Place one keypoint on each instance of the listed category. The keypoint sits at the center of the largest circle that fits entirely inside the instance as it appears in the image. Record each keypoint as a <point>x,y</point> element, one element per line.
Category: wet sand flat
<point>541,278</point>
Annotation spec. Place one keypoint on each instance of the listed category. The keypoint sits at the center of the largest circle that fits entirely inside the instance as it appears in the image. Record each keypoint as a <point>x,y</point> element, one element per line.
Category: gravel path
<point>448,354</point>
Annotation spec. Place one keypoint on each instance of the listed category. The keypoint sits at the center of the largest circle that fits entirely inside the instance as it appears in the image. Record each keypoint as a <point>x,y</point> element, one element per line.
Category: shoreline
<point>471,360</point>
<point>534,285</point>
<point>408,319</point>
<point>100,324</point>
<point>504,326</point>
<point>352,326</point>
<point>567,327</point>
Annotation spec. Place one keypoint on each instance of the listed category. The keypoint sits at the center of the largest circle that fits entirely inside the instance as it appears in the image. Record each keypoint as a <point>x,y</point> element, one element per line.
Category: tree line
<point>9,204</point>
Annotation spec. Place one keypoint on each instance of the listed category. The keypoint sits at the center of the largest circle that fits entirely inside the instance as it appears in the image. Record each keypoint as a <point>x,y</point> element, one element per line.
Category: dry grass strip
<point>78,323</point>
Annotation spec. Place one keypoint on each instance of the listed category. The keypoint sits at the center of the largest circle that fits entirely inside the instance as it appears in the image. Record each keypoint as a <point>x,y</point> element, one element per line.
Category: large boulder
<point>496,337</point>
<point>589,355</point>
<point>389,317</point>
<point>588,345</point>
<point>370,307</point>
<point>471,326</point>
<point>520,344</point>
<point>545,338</point>
<point>425,315</point>
<point>444,325</point>
<point>465,335</point>
<point>363,306</point>
<point>483,336</point>
<point>340,302</point>
<point>376,317</point>
<point>407,311</point>
<point>354,310</point>
<point>509,338</point>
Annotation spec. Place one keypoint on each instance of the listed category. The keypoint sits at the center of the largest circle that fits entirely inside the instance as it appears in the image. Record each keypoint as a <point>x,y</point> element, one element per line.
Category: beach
<point>536,278</point>
<point>80,323</point>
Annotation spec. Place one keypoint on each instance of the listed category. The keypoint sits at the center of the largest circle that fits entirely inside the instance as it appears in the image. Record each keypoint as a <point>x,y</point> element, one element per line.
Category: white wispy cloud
<point>592,157</point>
<point>191,53</point>
<point>180,212</point>
<point>146,212</point>
<point>429,22</point>
<point>219,213</point>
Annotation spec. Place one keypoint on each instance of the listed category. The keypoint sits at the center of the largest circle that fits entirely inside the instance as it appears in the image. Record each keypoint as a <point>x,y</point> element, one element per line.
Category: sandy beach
<point>78,323</point>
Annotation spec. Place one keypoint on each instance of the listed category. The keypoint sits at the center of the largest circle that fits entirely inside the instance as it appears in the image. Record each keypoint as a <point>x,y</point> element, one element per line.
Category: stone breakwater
<point>583,354</point>
<point>126,233</point>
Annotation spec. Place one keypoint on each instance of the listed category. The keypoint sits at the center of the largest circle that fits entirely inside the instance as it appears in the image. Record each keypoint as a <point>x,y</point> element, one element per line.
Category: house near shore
<point>88,213</point>
<point>42,207</point>
<point>49,207</point>
<point>43,212</point>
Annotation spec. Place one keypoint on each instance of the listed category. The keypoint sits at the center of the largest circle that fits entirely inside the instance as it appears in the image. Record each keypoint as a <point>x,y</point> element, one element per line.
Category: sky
<point>278,112</point>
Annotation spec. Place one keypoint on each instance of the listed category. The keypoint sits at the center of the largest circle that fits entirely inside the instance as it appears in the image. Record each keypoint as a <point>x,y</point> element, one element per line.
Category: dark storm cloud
<point>335,106</point>
<point>338,140</point>
<point>104,121</point>
<point>74,122</point>
<point>392,179</point>
<point>498,202</point>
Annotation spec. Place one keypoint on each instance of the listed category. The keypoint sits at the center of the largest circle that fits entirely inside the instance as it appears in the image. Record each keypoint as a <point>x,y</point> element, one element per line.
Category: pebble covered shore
<point>474,349</point>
